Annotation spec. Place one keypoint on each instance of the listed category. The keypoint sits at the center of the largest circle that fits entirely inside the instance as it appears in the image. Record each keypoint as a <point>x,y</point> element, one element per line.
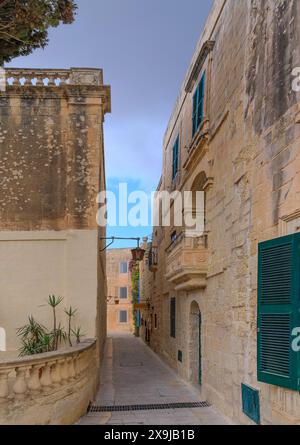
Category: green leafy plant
<point>135,278</point>
<point>24,24</point>
<point>37,339</point>
<point>61,335</point>
<point>32,331</point>
<point>71,314</point>
<point>54,301</point>
<point>78,334</point>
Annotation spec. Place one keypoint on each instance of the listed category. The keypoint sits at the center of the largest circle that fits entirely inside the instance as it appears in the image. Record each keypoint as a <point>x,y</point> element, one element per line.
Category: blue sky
<point>144,48</point>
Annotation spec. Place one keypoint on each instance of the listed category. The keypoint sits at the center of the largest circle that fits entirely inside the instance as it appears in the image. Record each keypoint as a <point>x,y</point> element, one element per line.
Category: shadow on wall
<point>2,340</point>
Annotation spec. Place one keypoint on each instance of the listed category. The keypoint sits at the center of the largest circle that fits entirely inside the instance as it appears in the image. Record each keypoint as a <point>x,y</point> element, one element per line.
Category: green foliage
<point>78,334</point>
<point>70,313</point>
<point>54,301</point>
<point>31,347</point>
<point>135,279</point>
<point>37,339</point>
<point>24,24</point>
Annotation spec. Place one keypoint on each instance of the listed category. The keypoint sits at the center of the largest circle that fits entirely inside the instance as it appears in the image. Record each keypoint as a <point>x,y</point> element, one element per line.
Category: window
<point>278,312</point>
<point>123,267</point>
<point>198,105</point>
<point>173,236</point>
<point>175,163</point>
<point>155,321</point>
<point>290,224</point>
<point>123,316</point>
<point>123,293</point>
<point>173,317</point>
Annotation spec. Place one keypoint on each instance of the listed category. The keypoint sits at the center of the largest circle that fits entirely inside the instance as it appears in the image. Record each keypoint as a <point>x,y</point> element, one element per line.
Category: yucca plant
<point>71,314</point>
<point>46,343</point>
<point>78,334</point>
<point>60,336</point>
<point>54,301</point>
<point>32,331</point>
<point>37,339</point>
<point>31,346</point>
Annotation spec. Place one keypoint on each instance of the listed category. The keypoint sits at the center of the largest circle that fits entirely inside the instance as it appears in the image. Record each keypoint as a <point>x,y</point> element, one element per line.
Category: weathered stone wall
<point>51,156</point>
<point>252,156</point>
<point>52,168</point>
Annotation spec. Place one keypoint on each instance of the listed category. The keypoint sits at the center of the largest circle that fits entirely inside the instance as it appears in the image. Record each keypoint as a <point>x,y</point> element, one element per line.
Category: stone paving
<point>132,374</point>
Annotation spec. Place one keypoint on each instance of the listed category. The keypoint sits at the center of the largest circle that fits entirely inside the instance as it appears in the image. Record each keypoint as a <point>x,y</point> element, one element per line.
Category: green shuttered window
<point>278,311</point>
<point>198,105</point>
<point>175,164</point>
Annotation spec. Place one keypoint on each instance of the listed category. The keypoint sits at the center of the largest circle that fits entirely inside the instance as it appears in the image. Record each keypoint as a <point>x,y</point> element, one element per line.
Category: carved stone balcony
<point>186,261</point>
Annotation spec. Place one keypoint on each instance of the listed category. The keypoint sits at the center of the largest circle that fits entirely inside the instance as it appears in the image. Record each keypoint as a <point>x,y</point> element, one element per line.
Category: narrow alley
<point>133,375</point>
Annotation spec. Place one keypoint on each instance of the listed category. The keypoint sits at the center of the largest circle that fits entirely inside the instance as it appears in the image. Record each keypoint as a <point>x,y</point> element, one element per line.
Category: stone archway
<point>195,344</point>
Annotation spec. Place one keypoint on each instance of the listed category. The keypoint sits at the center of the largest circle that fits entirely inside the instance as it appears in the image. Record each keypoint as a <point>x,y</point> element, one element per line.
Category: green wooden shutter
<point>195,110</point>
<point>278,311</point>
<point>198,105</point>
<point>175,158</point>
<point>173,317</point>
<point>201,96</point>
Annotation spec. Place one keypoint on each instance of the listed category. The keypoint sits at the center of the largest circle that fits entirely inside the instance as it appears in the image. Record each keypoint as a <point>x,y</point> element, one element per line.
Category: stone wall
<point>49,389</point>
<point>248,148</point>
<point>52,168</point>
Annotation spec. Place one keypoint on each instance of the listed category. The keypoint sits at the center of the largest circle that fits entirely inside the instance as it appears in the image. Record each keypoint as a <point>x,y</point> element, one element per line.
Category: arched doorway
<point>195,344</point>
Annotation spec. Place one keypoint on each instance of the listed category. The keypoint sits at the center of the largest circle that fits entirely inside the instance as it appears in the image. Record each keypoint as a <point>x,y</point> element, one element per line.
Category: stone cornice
<point>78,93</point>
<point>204,52</point>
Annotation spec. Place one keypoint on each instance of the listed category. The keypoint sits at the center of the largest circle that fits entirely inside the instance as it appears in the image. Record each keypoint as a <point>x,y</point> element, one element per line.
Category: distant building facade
<point>221,306</point>
<point>119,297</point>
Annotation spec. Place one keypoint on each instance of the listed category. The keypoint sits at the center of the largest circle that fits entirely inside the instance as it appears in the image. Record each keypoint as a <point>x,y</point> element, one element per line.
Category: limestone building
<point>225,303</point>
<point>119,296</point>
<point>52,168</point>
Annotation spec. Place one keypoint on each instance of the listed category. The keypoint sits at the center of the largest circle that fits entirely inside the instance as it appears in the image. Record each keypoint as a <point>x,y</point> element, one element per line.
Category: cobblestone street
<point>133,375</point>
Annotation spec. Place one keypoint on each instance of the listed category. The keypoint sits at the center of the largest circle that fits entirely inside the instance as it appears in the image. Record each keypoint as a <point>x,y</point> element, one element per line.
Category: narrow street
<point>133,375</point>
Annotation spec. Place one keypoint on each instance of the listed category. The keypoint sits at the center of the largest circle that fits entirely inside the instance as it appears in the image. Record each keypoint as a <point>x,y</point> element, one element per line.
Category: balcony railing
<point>41,389</point>
<point>186,262</point>
<point>53,77</point>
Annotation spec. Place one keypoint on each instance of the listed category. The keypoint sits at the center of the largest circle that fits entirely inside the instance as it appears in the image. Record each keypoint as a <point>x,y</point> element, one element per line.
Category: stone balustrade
<point>52,388</point>
<point>52,77</point>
